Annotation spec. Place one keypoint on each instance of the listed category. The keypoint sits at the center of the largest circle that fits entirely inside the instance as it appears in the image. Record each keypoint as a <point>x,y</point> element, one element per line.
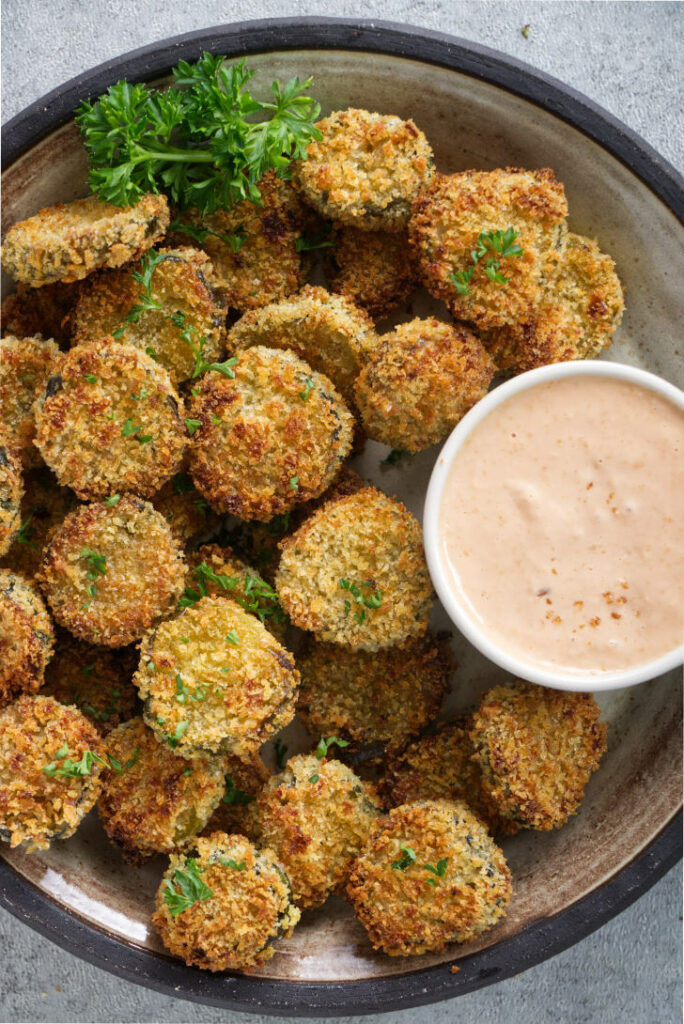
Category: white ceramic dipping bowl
<point>457,612</point>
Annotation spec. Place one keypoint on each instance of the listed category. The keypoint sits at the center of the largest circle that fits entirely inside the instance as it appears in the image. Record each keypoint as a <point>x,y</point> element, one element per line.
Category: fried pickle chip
<point>26,637</point>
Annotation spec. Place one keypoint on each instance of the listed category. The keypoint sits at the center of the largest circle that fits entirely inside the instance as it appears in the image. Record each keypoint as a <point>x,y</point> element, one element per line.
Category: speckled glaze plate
<point>480,110</point>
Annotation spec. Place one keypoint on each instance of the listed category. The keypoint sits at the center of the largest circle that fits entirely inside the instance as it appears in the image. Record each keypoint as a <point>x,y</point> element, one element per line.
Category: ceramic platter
<point>479,110</point>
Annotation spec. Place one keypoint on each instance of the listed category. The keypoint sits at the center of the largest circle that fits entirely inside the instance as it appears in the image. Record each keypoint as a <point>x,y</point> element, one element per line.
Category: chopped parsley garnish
<point>182,694</point>
<point>257,597</point>
<point>182,483</point>
<point>215,420</point>
<point>113,500</point>
<point>71,769</point>
<point>90,377</point>
<point>304,395</point>
<point>280,753</point>
<point>319,241</point>
<point>439,870</point>
<point>502,244</point>
<point>234,796</point>
<point>128,430</point>
<point>324,745</point>
<point>314,778</point>
<point>192,425</point>
<point>139,397</point>
<point>26,532</point>
<point>118,767</point>
<point>177,735</point>
<point>408,857</point>
<point>228,862</point>
<point>233,638</point>
<point>294,483</point>
<point>373,600</point>
<point>279,525</point>
<point>97,566</point>
<point>185,887</point>
<point>393,457</point>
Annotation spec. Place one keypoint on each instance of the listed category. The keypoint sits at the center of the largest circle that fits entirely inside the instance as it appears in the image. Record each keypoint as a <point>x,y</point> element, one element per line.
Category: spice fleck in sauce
<point>562,525</point>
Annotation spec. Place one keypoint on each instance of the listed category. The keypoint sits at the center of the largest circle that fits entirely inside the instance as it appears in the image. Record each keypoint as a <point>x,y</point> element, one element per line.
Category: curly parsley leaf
<point>185,888</point>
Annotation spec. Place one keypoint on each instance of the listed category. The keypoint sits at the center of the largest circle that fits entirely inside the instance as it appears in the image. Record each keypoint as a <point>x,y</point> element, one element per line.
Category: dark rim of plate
<point>546,937</point>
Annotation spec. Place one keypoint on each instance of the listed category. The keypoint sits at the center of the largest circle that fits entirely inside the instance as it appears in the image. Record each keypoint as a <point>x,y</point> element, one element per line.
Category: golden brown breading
<point>217,571</point>
<point>331,334</point>
<point>179,286</point>
<point>355,573</point>
<point>67,241</point>
<point>45,311</point>
<point>375,700</point>
<point>214,679</point>
<point>537,749</point>
<point>152,801</point>
<point>25,365</point>
<point>373,269</point>
<point>41,796</point>
<point>271,438</point>
<point>111,572</point>
<point>44,505</point>
<point>26,637</point>
<point>244,904</point>
<point>421,380</point>
<point>236,812</point>
<point>109,421</point>
<point>429,875</point>
<point>267,265</point>
<point>92,678</point>
<point>441,766</point>
<point>11,495</point>
<point>188,514</point>
<point>445,226</point>
<point>366,170</point>
<point>580,311</point>
<point>316,816</point>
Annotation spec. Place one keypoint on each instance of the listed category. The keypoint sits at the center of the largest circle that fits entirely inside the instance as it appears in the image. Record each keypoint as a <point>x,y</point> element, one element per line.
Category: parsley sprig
<point>504,246</point>
<point>373,600</point>
<point>185,888</point>
<point>408,859</point>
<point>205,141</point>
<point>324,745</point>
<point>257,596</point>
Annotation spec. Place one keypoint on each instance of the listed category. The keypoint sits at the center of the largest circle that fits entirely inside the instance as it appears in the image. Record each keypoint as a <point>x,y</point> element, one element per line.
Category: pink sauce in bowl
<point>554,526</point>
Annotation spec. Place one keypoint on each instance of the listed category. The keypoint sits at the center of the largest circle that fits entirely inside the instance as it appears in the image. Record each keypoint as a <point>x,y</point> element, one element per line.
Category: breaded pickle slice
<point>366,169</point>
<point>252,248</point>
<point>537,749</point>
<point>215,680</point>
<point>43,506</point>
<point>185,309</point>
<point>240,904</point>
<point>67,241</point>
<point>11,495</point>
<point>376,700</point>
<point>355,573</point>
<point>45,311</point>
<point>26,637</point>
<point>430,874</point>
<point>373,269</point>
<point>110,421</point>
<point>316,815</point>
<point>94,679</point>
<point>51,759</point>
<point>327,331</point>
<point>448,221</point>
<point>153,801</point>
<point>111,571</point>
<point>25,366</point>
<point>420,381</point>
<point>576,318</point>
<point>271,438</point>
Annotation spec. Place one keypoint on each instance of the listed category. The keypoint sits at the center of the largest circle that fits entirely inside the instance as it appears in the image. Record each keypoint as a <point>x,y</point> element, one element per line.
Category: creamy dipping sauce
<point>561,525</point>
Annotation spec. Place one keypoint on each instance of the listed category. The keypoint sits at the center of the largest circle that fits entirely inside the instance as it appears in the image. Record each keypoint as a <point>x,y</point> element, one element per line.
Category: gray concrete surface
<point>627,56</point>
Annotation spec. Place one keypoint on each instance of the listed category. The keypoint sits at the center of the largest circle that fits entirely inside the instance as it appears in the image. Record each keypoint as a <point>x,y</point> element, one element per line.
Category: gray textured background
<point>627,56</point>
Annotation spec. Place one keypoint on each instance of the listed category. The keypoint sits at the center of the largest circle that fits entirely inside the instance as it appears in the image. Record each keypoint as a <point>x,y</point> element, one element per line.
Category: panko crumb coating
<point>373,543</point>
<point>376,700</point>
<point>157,802</point>
<point>218,572</point>
<point>271,438</point>
<point>185,510</point>
<point>267,265</point>
<point>93,679</point>
<point>327,331</point>
<point>11,495</point>
<point>44,505</point>
<point>178,285</point>
<point>441,766</point>
<point>373,269</point>
<point>421,380</point>
<point>112,602</point>
<point>248,908</point>
<point>67,241</point>
<point>37,806</point>
<point>25,365</point>
<point>537,749</point>
<point>215,680</point>
<point>46,311</point>
<point>576,319</point>
<point>366,170</point>
<point>236,812</point>
<point>446,222</point>
<point>411,910</point>
<point>316,815</point>
<point>26,637</point>
<point>109,420</point>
